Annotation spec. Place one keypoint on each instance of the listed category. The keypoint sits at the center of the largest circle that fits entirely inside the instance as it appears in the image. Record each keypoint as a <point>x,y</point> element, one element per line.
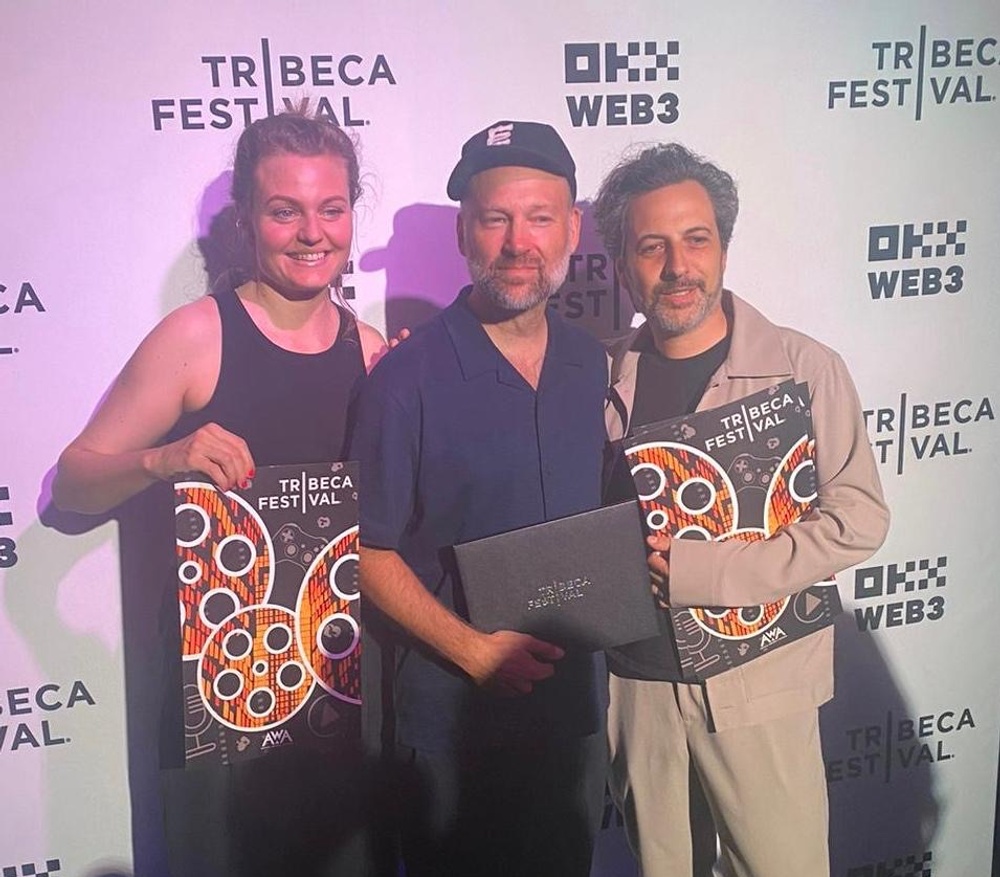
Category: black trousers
<point>528,809</point>
<point>292,812</point>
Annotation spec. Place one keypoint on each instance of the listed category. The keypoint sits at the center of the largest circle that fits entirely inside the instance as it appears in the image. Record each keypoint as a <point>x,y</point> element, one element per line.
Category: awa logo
<point>771,638</point>
<point>278,737</point>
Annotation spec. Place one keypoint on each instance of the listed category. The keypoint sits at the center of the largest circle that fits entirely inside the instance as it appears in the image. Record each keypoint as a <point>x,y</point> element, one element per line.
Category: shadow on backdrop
<point>882,800</point>
<point>69,637</point>
<point>107,871</point>
<point>423,268</point>
<point>226,252</point>
<point>148,602</point>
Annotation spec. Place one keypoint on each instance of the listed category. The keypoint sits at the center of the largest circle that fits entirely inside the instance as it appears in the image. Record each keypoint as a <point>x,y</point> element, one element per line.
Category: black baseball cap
<point>517,144</point>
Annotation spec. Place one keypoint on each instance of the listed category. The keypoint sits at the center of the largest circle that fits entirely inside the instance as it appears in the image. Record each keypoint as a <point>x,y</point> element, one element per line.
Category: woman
<point>295,182</point>
<point>253,375</point>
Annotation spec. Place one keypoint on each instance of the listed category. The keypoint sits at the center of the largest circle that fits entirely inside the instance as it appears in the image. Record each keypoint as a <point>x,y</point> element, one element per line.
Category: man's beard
<point>488,279</point>
<point>674,321</point>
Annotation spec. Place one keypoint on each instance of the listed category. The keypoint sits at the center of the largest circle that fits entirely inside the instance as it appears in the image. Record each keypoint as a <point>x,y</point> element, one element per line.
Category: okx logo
<point>30,869</point>
<point>620,83</point>
<point>347,291</point>
<point>916,258</point>
<point>888,595</point>
<point>916,865</point>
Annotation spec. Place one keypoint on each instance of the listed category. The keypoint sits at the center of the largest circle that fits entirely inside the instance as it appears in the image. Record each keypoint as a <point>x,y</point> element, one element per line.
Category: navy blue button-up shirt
<point>455,445</point>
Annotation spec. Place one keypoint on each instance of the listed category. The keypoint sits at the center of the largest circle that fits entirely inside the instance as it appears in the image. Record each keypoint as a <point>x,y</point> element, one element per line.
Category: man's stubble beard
<point>516,298</point>
<point>668,321</point>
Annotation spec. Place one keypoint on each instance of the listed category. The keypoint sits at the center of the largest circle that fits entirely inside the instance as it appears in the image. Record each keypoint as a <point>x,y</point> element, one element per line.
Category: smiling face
<point>672,264</point>
<point>302,222</point>
<point>517,229</point>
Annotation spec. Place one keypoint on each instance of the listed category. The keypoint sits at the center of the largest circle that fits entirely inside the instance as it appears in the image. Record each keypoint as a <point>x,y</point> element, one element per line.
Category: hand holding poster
<point>740,471</point>
<point>270,612</point>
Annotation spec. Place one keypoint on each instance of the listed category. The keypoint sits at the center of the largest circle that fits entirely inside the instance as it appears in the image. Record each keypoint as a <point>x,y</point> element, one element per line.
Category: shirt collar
<point>477,354</point>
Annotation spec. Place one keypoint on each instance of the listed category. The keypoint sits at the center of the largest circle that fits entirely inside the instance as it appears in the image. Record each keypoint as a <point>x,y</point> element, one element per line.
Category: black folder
<point>579,582</point>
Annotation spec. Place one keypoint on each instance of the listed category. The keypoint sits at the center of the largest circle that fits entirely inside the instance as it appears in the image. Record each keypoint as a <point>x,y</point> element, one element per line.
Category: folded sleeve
<point>848,524</point>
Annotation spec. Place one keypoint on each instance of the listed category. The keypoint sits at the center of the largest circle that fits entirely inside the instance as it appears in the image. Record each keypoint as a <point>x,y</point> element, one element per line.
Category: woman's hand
<point>211,450</point>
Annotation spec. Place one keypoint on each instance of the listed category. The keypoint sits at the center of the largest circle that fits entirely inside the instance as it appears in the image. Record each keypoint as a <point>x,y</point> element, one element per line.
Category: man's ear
<point>621,274</point>
<point>623,283</point>
<point>460,232</point>
<point>575,222</point>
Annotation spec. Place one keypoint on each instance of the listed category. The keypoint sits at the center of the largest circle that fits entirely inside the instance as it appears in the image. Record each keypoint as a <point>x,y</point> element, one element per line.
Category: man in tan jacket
<point>751,733</point>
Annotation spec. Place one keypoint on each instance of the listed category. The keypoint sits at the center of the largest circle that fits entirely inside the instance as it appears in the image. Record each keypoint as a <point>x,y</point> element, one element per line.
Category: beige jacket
<point>849,524</point>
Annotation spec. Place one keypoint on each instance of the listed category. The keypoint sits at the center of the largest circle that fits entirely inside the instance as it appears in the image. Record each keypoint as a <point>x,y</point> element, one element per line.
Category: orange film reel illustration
<point>252,675</point>
<point>744,621</point>
<point>328,613</point>
<point>683,491</point>
<point>225,560</point>
<point>793,488</point>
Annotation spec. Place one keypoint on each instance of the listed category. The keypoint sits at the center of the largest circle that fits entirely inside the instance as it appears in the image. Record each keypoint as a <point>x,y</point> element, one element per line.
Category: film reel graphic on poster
<point>269,612</point>
<point>739,472</point>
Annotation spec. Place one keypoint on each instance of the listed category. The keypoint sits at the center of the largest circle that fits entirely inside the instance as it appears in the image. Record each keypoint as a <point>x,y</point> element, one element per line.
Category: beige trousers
<point>765,784</point>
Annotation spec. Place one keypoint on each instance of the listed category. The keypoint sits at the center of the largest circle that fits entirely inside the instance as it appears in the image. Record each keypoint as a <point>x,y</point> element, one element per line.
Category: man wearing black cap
<point>488,419</point>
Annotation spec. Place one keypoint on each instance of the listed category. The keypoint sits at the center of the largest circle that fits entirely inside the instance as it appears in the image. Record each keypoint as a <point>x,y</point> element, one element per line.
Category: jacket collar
<point>755,351</point>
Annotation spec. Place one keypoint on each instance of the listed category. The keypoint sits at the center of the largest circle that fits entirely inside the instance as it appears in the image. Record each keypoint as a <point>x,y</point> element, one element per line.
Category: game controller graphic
<point>293,543</point>
<point>263,642</point>
<point>747,470</point>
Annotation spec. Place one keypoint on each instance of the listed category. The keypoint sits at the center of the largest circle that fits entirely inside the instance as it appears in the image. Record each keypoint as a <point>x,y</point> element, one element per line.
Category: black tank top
<point>288,407</point>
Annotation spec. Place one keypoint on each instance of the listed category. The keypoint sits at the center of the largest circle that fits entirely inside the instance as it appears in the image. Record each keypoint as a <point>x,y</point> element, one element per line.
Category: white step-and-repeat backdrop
<point>866,142</point>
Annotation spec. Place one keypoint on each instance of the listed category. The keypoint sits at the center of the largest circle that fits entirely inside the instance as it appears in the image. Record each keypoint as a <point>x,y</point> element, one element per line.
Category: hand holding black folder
<point>516,662</point>
<point>579,582</point>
